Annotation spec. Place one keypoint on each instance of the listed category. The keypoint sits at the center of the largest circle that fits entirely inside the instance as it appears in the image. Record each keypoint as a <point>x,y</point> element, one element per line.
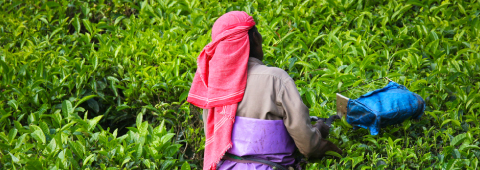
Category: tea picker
<point>254,116</point>
<point>376,109</point>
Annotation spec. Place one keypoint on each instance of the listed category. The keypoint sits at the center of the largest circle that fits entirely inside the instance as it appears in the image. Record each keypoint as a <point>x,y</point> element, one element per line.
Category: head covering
<point>220,81</point>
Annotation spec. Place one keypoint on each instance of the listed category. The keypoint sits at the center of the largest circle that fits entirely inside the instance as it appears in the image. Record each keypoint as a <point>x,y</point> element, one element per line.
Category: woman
<point>254,116</point>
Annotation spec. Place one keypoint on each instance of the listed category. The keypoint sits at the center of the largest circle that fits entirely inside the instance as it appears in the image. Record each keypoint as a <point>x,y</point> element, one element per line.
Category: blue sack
<point>387,106</point>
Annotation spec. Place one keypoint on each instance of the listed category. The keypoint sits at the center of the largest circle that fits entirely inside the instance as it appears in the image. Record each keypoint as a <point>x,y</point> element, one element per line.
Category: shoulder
<point>263,70</point>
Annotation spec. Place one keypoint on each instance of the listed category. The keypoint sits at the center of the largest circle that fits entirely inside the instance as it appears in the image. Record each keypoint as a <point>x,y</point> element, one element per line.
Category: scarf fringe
<point>215,163</point>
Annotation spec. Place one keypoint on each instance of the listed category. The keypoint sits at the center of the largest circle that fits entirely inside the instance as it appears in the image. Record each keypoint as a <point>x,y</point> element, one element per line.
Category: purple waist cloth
<point>263,139</point>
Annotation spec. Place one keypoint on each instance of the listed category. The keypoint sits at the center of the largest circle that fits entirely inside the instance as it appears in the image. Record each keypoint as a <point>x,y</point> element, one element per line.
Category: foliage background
<point>98,84</point>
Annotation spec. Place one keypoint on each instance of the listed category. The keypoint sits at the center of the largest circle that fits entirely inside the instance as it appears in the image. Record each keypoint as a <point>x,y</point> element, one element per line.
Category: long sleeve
<point>308,139</point>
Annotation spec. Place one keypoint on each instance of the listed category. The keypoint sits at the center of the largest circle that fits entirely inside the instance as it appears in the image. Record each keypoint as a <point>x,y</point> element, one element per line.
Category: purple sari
<point>263,139</point>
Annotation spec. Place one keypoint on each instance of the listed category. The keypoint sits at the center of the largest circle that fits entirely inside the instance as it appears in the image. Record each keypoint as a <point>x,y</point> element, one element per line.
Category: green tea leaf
<point>13,104</point>
<point>34,164</point>
<point>78,148</point>
<point>311,98</point>
<point>167,137</point>
<point>67,108</point>
<point>332,153</point>
<point>197,20</point>
<point>85,99</point>
<point>52,4</point>
<point>76,23</point>
<point>87,25</point>
<point>51,147</point>
<point>372,140</point>
<point>88,158</point>
<point>11,135</point>
<point>305,64</point>
<point>139,150</point>
<point>143,128</point>
<point>118,19</point>
<point>457,139</point>
<point>146,162</point>
<point>93,122</point>
<point>139,120</point>
<point>462,10</point>
<point>20,140</point>
<point>57,117</point>
<point>183,96</point>
<point>125,161</point>
<point>185,166</point>
<point>469,147</point>
<point>14,158</point>
<point>38,136</point>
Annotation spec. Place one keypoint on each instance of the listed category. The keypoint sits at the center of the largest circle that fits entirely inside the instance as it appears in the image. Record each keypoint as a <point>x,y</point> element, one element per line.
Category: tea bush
<point>98,84</point>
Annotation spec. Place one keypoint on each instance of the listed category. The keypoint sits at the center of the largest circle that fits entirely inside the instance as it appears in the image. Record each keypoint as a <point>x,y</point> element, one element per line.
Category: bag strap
<point>245,159</point>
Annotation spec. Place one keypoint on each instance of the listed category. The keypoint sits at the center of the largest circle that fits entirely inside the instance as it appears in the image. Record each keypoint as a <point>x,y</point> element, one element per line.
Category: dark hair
<point>252,31</point>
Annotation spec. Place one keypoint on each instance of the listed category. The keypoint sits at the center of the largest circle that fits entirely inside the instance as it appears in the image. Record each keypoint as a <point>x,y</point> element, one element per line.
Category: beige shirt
<point>271,94</point>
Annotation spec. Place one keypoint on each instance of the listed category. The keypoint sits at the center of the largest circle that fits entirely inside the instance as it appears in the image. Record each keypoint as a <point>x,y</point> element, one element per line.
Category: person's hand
<point>331,119</point>
<point>324,126</point>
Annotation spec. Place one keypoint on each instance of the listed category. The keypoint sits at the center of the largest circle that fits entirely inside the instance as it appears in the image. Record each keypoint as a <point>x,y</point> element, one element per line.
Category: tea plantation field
<point>101,84</point>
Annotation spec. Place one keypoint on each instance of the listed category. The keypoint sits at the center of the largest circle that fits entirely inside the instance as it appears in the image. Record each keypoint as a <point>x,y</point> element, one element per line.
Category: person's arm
<point>307,138</point>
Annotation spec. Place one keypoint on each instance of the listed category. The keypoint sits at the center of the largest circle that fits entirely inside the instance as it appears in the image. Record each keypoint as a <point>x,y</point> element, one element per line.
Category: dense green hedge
<point>102,84</point>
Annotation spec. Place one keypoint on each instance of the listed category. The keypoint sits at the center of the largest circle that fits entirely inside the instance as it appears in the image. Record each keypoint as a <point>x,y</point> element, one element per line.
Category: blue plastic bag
<point>387,106</point>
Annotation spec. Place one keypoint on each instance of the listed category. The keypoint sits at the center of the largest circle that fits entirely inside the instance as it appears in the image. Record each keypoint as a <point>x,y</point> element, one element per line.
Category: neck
<point>256,58</point>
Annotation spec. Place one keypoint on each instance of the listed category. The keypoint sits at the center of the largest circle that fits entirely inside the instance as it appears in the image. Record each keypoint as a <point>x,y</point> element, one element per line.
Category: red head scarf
<point>220,81</point>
